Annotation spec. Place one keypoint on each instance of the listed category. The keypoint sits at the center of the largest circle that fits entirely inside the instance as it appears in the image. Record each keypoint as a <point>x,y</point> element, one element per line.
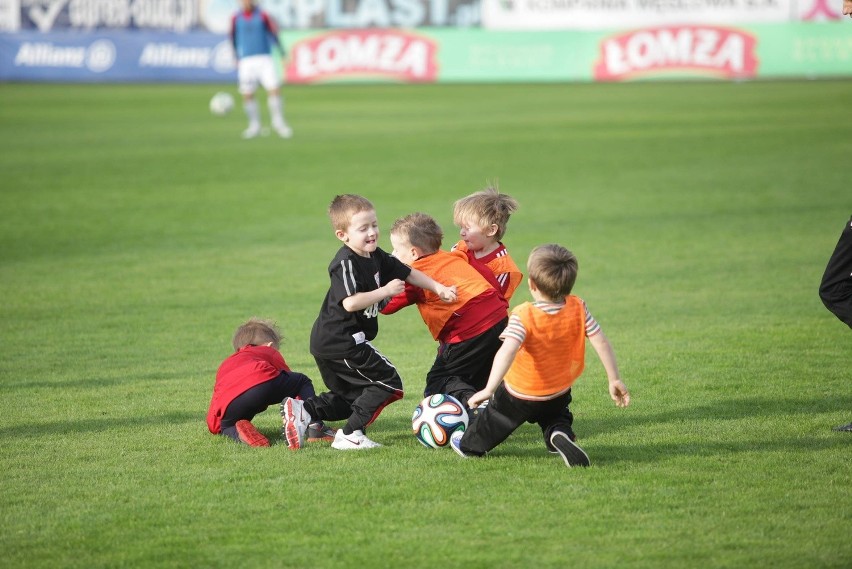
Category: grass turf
<point>137,231</point>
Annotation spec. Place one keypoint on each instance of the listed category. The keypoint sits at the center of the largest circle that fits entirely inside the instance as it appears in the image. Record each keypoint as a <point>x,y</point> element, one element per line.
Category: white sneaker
<point>251,132</point>
<point>283,130</point>
<point>295,422</point>
<point>455,443</point>
<point>356,441</point>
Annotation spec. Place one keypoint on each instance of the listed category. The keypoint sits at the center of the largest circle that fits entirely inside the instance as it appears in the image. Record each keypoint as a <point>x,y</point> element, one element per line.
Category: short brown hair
<point>553,269</point>
<point>344,206</point>
<point>256,332</point>
<point>486,207</point>
<point>421,230</point>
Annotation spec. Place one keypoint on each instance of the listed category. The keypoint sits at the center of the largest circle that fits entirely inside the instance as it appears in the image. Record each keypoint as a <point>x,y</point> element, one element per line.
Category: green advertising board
<point>767,51</point>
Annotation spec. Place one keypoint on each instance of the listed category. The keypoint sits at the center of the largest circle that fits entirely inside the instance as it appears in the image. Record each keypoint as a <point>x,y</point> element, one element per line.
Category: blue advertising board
<point>120,56</point>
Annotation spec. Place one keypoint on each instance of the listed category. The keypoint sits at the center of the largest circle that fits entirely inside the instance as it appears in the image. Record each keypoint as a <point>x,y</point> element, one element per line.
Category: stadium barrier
<point>445,55</point>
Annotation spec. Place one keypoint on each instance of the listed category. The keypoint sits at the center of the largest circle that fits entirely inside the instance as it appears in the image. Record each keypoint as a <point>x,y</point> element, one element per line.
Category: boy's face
<point>402,249</point>
<point>362,235</point>
<point>475,237</point>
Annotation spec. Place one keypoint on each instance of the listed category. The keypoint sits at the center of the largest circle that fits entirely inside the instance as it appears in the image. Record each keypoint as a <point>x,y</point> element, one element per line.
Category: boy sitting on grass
<point>251,379</point>
<point>543,353</point>
<point>467,330</point>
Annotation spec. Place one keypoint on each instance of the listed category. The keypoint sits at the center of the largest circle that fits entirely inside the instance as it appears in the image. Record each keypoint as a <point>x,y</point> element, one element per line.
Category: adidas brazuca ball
<point>436,418</point>
<point>221,104</point>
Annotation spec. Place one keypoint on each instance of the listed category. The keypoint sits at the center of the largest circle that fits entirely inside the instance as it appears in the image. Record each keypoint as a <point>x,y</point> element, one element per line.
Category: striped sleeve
<point>514,329</point>
<point>592,326</point>
<point>348,277</point>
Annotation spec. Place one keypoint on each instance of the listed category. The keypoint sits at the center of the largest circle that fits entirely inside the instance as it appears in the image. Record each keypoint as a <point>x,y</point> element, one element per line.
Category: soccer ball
<point>436,418</point>
<point>221,104</point>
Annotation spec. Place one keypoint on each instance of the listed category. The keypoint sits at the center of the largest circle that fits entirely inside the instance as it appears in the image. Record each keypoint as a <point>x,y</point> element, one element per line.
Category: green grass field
<point>137,231</point>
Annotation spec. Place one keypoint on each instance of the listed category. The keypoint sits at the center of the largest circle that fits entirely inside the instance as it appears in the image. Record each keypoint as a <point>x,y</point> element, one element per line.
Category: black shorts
<point>359,386</point>
<point>463,368</point>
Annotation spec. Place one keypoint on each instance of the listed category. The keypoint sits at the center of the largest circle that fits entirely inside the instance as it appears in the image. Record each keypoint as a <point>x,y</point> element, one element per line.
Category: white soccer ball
<point>221,104</point>
<point>436,418</point>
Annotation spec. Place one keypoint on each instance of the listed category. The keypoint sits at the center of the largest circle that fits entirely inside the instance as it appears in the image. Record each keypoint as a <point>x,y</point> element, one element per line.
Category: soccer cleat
<point>455,442</point>
<point>319,431</point>
<point>572,454</point>
<point>283,130</point>
<point>843,428</point>
<point>250,435</point>
<point>356,441</point>
<point>251,132</point>
<point>295,422</point>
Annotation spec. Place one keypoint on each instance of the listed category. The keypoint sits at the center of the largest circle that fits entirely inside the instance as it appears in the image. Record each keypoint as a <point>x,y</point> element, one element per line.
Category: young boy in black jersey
<point>361,382</point>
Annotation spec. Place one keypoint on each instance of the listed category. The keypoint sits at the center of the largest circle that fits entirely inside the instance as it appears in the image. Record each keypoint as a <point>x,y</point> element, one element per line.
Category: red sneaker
<point>250,435</point>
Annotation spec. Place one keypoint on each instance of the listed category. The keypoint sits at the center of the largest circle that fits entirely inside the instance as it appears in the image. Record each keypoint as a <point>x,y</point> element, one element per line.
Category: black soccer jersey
<point>336,331</point>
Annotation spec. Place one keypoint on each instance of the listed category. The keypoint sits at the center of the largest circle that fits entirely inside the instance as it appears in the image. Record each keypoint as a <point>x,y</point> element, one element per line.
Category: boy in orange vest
<point>482,218</point>
<point>543,353</point>
<point>468,329</point>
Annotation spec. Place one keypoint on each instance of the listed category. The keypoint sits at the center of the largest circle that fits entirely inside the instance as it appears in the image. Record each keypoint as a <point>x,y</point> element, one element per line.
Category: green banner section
<point>812,50</point>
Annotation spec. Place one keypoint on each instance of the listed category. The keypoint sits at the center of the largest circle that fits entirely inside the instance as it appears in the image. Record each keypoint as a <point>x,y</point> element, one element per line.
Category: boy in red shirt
<point>482,218</point>
<point>543,353</point>
<point>251,379</point>
<point>467,329</point>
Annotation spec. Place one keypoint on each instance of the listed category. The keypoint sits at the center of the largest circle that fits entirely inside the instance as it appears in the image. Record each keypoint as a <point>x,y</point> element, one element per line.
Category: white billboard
<point>621,14</point>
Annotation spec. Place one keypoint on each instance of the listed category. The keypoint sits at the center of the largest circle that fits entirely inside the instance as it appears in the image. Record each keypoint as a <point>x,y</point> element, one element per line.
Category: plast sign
<point>697,50</point>
<point>363,54</point>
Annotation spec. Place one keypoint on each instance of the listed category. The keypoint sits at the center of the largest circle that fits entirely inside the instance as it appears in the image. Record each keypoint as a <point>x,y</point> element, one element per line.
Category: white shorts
<point>256,69</point>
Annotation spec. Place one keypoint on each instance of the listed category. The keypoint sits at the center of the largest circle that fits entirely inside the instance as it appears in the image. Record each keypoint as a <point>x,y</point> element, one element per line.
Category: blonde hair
<point>344,207</point>
<point>256,332</point>
<point>486,207</point>
<point>420,230</point>
<point>553,269</point>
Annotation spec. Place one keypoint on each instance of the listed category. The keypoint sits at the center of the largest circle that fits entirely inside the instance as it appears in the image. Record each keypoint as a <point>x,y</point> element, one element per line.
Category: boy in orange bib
<point>543,353</point>
<point>467,329</point>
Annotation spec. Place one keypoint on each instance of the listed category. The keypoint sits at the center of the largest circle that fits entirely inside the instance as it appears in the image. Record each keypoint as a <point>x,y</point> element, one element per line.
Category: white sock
<point>276,110</point>
<point>252,112</point>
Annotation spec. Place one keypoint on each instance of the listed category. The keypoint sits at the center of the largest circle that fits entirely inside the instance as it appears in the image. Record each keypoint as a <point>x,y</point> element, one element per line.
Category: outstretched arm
<point>617,390</point>
<point>421,279</point>
<point>361,300</point>
<point>502,361</point>
<point>409,296</point>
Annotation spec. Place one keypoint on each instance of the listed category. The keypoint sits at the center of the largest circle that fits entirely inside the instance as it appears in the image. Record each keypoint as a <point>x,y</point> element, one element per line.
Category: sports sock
<point>252,112</point>
<point>276,109</point>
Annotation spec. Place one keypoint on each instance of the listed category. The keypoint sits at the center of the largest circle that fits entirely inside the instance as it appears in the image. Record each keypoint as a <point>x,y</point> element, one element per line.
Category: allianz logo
<point>99,56</point>
<point>170,54</point>
<point>220,57</point>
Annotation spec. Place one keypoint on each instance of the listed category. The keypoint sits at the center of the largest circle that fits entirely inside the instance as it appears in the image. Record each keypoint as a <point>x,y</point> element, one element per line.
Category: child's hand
<point>447,293</point>
<point>619,394</point>
<point>394,287</point>
<point>478,398</point>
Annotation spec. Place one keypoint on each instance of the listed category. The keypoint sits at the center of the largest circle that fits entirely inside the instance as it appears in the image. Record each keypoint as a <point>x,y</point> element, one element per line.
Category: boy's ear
<point>531,284</point>
<point>492,230</point>
<point>340,234</point>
